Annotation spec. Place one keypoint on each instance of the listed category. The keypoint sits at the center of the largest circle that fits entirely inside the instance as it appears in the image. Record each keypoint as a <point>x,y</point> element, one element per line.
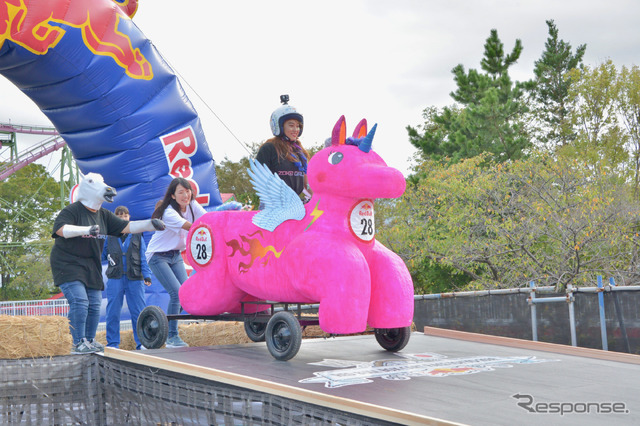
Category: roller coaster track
<point>33,153</point>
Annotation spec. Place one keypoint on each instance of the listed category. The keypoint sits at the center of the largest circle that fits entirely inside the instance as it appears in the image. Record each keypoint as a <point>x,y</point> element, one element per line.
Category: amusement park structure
<point>69,174</point>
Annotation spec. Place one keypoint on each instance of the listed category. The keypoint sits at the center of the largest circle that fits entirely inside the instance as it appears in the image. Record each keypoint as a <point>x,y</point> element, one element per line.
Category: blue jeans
<point>117,289</point>
<point>168,267</point>
<point>84,309</point>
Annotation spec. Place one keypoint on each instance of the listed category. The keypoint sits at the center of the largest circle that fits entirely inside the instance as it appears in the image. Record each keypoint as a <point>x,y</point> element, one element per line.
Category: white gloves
<point>71,231</point>
<point>137,226</point>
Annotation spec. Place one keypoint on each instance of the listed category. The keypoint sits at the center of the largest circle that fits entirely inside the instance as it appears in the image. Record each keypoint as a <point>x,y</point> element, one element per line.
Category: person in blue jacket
<point>126,271</point>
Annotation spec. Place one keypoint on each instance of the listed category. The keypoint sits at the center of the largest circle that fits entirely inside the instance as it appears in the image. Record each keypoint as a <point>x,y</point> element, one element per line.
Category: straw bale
<point>126,339</point>
<point>34,336</point>
<point>213,333</point>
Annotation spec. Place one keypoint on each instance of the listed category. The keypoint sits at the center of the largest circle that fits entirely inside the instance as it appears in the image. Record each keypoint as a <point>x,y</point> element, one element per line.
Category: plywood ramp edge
<point>278,389</point>
<point>529,344</point>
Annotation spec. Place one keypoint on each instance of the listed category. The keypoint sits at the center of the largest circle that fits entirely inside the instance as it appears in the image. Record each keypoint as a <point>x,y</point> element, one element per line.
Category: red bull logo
<point>37,26</point>
<point>179,147</point>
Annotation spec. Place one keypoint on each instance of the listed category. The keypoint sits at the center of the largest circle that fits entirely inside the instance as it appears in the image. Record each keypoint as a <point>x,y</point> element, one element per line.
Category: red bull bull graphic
<point>408,366</point>
<point>109,94</point>
<point>38,29</point>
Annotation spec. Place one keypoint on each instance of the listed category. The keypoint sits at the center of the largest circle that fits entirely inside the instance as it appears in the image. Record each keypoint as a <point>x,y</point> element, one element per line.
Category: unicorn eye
<point>335,157</point>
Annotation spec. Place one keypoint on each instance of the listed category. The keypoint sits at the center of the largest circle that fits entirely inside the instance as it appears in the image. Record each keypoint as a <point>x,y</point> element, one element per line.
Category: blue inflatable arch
<point>110,95</point>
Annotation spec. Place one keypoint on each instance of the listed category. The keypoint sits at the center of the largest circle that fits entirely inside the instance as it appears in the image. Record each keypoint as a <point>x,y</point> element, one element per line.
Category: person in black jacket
<point>284,154</point>
<point>127,269</point>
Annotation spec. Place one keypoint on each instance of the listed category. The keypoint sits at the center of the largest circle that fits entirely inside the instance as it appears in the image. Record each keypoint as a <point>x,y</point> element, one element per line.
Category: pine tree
<point>549,89</point>
<point>488,114</point>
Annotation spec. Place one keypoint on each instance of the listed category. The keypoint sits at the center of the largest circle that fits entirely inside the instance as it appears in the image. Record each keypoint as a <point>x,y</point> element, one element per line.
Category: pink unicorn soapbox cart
<point>322,252</point>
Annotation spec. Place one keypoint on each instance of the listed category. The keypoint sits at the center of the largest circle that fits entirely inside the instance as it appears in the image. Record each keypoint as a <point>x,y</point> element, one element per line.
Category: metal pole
<point>572,318</point>
<point>534,323</point>
<point>603,323</point>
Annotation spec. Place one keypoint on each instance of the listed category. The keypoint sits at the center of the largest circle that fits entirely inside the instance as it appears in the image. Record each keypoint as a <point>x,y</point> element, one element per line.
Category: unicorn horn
<point>365,145</point>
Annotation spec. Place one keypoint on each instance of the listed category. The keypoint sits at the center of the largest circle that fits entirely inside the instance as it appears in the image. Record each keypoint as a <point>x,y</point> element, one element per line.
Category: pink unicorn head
<point>349,168</point>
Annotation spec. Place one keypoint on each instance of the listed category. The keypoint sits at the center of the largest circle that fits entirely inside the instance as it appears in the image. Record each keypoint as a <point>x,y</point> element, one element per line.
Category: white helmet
<point>282,114</point>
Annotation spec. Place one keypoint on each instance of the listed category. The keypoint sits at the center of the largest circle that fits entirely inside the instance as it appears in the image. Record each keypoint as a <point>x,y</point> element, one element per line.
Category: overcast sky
<point>376,59</point>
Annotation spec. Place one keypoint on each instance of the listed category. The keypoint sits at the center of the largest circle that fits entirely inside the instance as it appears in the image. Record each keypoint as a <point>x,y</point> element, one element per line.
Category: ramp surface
<point>447,378</point>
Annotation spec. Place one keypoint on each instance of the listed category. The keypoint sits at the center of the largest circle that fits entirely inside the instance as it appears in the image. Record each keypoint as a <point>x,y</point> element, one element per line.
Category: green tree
<point>628,106</point>
<point>556,221</point>
<point>33,279</point>
<point>600,140</point>
<point>488,116</point>
<point>549,89</point>
<point>233,178</point>
<point>27,213</point>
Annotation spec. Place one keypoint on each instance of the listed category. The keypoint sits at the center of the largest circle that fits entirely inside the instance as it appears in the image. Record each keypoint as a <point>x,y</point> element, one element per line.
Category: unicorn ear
<point>361,129</point>
<point>339,134</point>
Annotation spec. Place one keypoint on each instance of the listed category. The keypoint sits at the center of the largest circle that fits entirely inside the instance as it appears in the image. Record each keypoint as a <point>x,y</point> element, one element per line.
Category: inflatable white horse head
<point>92,191</point>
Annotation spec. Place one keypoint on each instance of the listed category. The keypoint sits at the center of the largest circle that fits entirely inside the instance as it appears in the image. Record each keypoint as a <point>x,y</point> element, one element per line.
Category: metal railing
<point>35,307</point>
<point>47,307</point>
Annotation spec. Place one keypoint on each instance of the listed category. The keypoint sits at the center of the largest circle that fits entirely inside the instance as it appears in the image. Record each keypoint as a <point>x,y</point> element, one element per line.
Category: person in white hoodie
<point>178,210</point>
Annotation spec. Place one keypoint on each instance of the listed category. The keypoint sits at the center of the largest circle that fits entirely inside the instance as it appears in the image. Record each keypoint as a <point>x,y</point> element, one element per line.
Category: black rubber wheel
<point>283,336</point>
<point>393,339</point>
<point>152,327</point>
<point>255,330</point>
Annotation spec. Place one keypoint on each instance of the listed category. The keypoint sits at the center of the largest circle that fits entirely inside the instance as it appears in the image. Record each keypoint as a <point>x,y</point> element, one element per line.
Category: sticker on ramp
<point>410,365</point>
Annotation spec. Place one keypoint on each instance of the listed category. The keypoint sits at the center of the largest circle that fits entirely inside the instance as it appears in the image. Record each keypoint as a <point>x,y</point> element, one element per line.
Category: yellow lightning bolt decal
<point>316,213</point>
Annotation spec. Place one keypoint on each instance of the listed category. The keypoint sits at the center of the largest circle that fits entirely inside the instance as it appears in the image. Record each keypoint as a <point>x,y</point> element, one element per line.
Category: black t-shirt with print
<point>78,258</point>
<point>284,168</point>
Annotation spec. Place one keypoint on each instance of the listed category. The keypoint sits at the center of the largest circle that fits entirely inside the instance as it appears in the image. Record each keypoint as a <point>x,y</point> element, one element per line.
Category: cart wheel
<point>255,330</point>
<point>393,339</point>
<point>152,327</point>
<point>283,336</point>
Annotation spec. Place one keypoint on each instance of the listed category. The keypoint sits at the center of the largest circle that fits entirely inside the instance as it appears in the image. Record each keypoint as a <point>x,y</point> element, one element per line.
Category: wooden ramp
<point>441,377</point>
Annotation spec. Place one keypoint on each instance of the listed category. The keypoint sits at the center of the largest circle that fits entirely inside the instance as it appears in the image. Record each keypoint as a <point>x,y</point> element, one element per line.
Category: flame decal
<point>256,250</point>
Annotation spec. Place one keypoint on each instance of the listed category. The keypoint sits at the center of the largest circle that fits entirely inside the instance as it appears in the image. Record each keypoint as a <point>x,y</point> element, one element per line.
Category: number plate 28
<point>362,222</point>
<point>201,245</point>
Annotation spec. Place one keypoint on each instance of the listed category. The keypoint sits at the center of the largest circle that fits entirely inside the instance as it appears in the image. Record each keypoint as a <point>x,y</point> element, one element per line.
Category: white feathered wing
<point>280,201</point>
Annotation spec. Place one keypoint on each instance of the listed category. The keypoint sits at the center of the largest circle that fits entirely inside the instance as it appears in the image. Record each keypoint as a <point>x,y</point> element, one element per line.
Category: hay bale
<point>213,333</point>
<point>44,336</point>
<point>126,339</point>
<point>34,336</point>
